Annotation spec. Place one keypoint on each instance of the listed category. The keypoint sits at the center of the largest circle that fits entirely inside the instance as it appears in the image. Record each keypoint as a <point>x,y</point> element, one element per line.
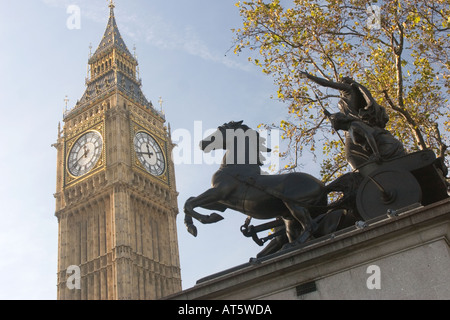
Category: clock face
<point>85,153</point>
<point>149,153</point>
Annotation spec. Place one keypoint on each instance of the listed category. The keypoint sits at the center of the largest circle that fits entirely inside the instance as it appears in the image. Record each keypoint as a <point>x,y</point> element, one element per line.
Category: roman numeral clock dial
<point>149,153</point>
<point>85,153</point>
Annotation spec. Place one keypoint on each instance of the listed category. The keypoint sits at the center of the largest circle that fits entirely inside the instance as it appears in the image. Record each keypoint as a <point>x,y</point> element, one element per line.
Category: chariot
<point>386,188</point>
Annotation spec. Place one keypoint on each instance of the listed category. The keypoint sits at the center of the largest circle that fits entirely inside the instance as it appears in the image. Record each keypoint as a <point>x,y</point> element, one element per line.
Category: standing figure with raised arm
<point>356,100</point>
<point>363,121</point>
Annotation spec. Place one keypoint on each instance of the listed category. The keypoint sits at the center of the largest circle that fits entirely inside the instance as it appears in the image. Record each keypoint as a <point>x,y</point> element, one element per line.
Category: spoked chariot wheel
<point>387,190</point>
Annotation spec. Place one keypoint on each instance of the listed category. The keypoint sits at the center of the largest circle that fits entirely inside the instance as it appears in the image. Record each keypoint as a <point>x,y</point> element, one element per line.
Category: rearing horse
<point>239,185</point>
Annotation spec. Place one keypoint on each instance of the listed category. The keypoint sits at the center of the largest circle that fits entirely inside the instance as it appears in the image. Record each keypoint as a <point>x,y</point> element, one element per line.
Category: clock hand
<point>76,162</point>
<point>86,152</point>
<point>83,155</point>
<point>150,154</point>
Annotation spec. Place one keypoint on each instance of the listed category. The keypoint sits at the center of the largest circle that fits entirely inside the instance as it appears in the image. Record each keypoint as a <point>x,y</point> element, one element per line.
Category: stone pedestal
<point>401,257</point>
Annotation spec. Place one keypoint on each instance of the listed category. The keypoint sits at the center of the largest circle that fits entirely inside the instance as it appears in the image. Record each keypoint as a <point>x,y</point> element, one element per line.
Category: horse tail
<point>345,183</point>
<point>191,228</point>
<point>348,185</point>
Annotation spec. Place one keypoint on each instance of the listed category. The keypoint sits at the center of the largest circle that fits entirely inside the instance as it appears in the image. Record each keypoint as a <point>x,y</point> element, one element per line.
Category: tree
<point>399,50</point>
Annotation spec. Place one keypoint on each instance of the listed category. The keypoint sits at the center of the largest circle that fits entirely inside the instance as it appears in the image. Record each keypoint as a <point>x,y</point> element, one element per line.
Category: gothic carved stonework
<point>142,116</point>
<point>85,189</point>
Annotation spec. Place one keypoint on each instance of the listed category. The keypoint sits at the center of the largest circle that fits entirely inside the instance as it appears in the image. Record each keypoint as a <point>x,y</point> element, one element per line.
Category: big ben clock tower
<point>116,200</point>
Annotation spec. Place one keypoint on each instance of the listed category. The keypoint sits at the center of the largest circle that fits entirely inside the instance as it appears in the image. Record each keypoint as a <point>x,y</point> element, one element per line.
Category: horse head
<point>216,140</point>
<point>243,144</point>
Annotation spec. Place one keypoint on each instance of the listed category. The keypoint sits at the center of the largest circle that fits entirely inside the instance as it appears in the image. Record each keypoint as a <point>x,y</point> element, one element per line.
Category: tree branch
<point>442,146</point>
<point>397,48</point>
<point>411,122</point>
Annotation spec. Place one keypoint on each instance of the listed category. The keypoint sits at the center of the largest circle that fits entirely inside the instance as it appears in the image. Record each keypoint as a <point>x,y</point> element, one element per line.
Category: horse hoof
<point>288,246</point>
<point>303,237</point>
<point>214,217</point>
<point>192,230</point>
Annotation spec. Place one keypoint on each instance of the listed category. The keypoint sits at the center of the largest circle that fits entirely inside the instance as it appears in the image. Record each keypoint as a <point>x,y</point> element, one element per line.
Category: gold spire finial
<point>161,104</point>
<point>66,100</point>
<point>111,4</point>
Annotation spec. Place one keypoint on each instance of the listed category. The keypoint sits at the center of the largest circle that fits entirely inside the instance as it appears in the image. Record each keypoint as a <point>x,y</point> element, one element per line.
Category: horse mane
<point>235,125</point>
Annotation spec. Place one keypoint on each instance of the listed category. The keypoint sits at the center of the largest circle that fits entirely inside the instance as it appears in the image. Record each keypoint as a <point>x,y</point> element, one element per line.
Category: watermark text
<point>74,280</point>
<point>73,22</point>
<point>374,280</point>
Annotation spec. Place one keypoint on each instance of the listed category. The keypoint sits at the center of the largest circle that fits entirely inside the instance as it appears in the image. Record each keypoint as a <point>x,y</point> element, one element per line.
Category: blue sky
<point>183,49</point>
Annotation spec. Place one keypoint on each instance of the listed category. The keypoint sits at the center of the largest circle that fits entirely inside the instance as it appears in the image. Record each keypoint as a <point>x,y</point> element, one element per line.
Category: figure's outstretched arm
<point>327,83</point>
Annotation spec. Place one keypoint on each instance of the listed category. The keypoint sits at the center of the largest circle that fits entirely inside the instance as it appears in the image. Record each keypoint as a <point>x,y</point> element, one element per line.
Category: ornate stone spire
<point>111,38</point>
<point>113,68</point>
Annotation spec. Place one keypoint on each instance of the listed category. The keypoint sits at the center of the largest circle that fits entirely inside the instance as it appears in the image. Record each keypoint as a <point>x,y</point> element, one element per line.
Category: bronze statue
<point>296,203</point>
<point>356,100</point>
<point>299,199</point>
<point>385,178</point>
<point>373,143</point>
<point>363,121</point>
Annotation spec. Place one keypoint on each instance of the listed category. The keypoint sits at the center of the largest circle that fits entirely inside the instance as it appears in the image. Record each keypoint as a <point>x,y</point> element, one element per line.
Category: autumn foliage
<point>399,50</point>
